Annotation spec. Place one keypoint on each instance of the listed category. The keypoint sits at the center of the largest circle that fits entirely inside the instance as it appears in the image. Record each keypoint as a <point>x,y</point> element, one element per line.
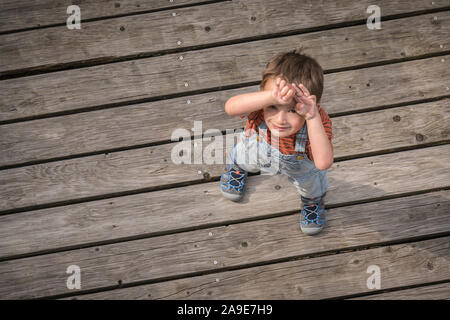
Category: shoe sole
<point>311,231</point>
<point>233,196</point>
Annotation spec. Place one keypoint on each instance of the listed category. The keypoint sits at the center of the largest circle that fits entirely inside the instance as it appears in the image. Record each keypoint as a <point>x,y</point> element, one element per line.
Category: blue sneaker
<point>312,215</point>
<point>233,182</point>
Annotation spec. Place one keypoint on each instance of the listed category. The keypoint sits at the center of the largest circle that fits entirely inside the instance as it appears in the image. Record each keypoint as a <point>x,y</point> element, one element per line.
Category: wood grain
<point>347,91</point>
<point>161,76</point>
<point>152,167</point>
<point>429,292</point>
<point>24,14</point>
<point>153,32</point>
<point>228,246</point>
<point>314,278</point>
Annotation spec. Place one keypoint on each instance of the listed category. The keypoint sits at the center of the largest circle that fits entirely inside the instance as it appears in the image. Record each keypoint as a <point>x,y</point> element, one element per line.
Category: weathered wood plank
<point>24,14</point>
<point>315,278</point>
<point>127,216</point>
<point>231,20</point>
<point>430,292</point>
<point>125,171</point>
<point>226,246</point>
<point>420,125</point>
<point>132,81</point>
<point>126,126</point>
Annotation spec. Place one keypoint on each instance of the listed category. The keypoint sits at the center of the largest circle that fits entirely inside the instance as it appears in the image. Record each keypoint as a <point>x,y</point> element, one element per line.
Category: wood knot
<point>277,187</point>
<point>207,28</point>
<point>253,18</point>
<point>122,28</point>
<point>396,118</point>
<point>244,244</point>
<point>419,137</point>
<point>206,175</point>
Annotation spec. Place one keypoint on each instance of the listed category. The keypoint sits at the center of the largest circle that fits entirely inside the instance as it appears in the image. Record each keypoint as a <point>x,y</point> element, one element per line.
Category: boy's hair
<point>295,67</point>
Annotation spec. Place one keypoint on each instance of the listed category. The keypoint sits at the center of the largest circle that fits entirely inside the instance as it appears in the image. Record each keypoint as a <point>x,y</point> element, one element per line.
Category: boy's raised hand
<point>282,92</point>
<point>305,102</point>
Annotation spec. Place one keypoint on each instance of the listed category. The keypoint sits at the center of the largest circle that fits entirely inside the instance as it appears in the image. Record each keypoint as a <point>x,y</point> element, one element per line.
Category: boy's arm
<point>321,147</point>
<point>246,103</point>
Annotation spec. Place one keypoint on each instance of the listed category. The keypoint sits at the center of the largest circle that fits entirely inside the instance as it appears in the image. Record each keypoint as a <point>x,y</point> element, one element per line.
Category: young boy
<point>287,132</point>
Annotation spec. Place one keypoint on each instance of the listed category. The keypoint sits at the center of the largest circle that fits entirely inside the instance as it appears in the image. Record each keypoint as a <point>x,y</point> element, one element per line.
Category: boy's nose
<point>281,117</point>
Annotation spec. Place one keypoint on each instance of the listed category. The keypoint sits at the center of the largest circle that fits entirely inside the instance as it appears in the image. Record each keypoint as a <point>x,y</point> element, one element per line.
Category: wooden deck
<point>86,118</point>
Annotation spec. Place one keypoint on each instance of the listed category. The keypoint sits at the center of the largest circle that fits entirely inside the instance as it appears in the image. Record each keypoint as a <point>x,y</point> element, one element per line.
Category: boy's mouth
<point>279,128</point>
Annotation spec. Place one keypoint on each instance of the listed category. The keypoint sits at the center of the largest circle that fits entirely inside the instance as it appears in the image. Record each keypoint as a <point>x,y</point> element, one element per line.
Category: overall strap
<point>301,138</point>
<point>263,125</point>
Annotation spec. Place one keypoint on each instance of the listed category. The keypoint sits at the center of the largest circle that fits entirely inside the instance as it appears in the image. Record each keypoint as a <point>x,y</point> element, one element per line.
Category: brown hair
<point>295,67</point>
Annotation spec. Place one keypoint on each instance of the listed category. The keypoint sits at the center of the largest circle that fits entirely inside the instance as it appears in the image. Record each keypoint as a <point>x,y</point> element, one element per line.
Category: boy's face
<point>282,121</point>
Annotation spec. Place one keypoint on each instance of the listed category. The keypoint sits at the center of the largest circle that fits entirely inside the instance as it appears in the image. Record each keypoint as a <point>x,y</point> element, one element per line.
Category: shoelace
<point>238,178</point>
<point>312,214</point>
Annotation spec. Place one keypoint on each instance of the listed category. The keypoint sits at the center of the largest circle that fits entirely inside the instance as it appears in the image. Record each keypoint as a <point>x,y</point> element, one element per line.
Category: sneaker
<point>312,216</point>
<point>232,182</point>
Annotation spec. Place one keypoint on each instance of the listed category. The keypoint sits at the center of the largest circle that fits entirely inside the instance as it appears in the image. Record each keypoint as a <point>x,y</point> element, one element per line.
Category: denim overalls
<point>254,154</point>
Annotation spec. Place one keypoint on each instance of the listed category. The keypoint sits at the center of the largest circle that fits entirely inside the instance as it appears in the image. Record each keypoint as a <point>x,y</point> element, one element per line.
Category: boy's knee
<point>314,186</point>
<point>248,168</point>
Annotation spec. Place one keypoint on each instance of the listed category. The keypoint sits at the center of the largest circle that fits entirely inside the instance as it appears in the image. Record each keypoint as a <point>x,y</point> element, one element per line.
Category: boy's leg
<point>244,156</point>
<point>312,185</point>
<point>312,188</point>
<point>234,177</point>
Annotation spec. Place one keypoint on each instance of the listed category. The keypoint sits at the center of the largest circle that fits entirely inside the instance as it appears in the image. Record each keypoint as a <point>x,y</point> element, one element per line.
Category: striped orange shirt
<point>286,145</point>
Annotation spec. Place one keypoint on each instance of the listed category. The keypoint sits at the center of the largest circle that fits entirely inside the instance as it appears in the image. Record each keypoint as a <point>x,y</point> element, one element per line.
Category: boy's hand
<point>305,102</point>
<point>282,92</point>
